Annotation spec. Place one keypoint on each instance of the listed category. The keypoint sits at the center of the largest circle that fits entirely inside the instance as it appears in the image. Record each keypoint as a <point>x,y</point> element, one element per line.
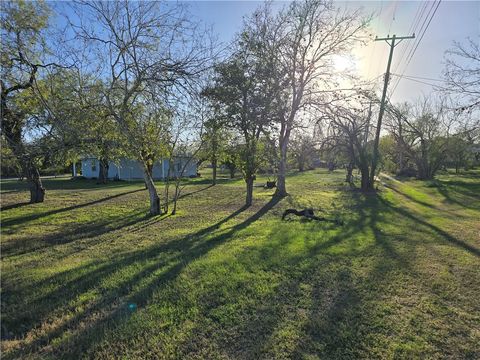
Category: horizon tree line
<point>147,81</point>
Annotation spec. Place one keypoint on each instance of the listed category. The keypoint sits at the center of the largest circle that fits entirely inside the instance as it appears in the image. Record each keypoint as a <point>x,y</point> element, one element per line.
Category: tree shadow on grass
<point>382,205</point>
<point>9,192</point>
<point>379,207</point>
<point>195,192</point>
<point>271,314</point>
<point>83,231</point>
<point>154,267</point>
<point>443,234</point>
<point>344,312</point>
<point>410,197</point>
<point>327,322</point>
<point>23,219</point>
<point>14,206</point>
<point>259,336</point>
<point>64,183</point>
<point>461,193</point>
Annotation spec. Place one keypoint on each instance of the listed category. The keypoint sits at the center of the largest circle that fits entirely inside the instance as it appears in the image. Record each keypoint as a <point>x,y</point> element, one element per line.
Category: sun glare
<point>343,63</point>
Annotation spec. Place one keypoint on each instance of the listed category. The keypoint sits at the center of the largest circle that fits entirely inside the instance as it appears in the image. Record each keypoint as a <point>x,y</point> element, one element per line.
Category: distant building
<point>127,169</point>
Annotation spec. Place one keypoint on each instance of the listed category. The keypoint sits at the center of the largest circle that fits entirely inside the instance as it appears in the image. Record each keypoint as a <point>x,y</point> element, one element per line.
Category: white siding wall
<point>157,170</point>
<point>191,169</point>
<point>113,171</point>
<point>130,170</point>
<point>127,169</point>
<point>177,165</point>
<point>90,168</point>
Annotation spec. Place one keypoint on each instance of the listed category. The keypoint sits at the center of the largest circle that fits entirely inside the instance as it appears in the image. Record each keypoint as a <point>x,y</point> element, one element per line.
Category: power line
<point>413,29</point>
<point>418,43</point>
<point>418,77</point>
<point>378,21</point>
<point>391,42</point>
<point>410,48</point>
<point>393,17</point>
<point>370,62</point>
<point>418,16</point>
<point>421,82</point>
<point>420,40</point>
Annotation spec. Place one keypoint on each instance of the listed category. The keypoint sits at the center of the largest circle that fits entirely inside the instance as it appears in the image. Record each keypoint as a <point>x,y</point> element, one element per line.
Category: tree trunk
<point>421,174</point>
<point>282,170</point>
<point>301,165</point>
<point>349,177</point>
<point>367,178</point>
<point>167,195</point>
<point>37,191</point>
<point>214,175</point>
<point>152,193</point>
<point>74,169</point>
<point>12,130</point>
<point>232,172</point>
<point>149,167</point>
<point>103,171</point>
<point>424,171</point>
<point>282,165</point>
<point>249,197</point>
<point>366,184</point>
<point>167,186</point>
<point>176,195</point>
<point>401,163</point>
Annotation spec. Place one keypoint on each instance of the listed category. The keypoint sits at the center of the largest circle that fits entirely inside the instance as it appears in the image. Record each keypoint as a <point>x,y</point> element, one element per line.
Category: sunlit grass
<point>87,273</point>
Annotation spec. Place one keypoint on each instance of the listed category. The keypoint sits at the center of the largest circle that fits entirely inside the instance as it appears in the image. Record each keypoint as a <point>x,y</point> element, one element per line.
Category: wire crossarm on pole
<point>394,37</point>
<point>391,42</point>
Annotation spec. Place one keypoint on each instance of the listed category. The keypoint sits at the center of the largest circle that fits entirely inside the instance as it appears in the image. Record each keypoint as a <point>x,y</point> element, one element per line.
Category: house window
<point>179,167</point>
<point>94,165</point>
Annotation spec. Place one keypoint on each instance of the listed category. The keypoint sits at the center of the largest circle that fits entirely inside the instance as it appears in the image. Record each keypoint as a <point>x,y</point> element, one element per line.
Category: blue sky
<point>454,20</point>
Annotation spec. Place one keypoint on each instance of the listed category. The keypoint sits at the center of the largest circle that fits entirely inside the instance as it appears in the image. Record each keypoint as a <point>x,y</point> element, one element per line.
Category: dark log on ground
<point>270,184</point>
<point>309,214</point>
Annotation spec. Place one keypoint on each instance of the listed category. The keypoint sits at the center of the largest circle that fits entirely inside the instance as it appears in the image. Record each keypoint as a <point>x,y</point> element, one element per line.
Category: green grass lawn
<point>87,274</point>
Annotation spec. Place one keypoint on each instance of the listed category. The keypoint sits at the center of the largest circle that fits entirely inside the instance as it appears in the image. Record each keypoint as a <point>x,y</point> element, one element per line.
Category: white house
<point>127,169</point>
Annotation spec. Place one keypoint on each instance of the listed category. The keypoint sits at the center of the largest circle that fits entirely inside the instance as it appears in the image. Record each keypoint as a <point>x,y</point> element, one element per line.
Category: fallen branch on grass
<point>309,214</point>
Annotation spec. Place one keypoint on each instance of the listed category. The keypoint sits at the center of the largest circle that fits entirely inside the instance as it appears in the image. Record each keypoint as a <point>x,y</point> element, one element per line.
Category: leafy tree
<point>146,52</point>
<point>185,141</point>
<point>215,139</point>
<point>348,132</point>
<point>389,155</point>
<point>241,90</point>
<point>23,27</point>
<point>303,150</point>
<point>9,165</point>
<point>299,45</point>
<point>423,133</point>
<point>463,150</point>
<point>79,116</point>
<point>230,157</point>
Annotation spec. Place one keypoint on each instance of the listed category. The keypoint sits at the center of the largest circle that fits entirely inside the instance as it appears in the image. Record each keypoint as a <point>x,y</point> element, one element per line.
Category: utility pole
<point>369,118</point>
<point>391,42</point>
